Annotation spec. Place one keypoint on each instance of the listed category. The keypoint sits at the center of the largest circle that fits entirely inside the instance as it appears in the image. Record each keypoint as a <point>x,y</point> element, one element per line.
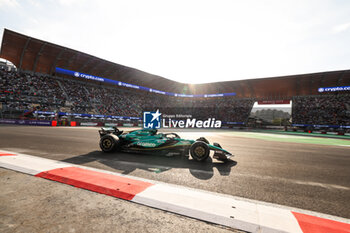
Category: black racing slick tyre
<point>108,143</point>
<point>199,151</point>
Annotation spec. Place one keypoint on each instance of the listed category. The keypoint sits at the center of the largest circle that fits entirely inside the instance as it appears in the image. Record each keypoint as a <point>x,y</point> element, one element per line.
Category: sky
<point>195,41</point>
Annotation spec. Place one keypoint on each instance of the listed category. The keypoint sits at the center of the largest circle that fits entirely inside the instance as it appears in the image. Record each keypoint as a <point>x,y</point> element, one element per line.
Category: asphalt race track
<point>288,170</point>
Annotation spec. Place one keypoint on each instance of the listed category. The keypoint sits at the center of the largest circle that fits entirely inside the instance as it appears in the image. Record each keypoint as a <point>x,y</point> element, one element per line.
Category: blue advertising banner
<point>233,123</point>
<point>122,84</point>
<point>87,115</point>
<point>98,116</point>
<point>322,126</point>
<point>331,89</point>
<point>44,112</point>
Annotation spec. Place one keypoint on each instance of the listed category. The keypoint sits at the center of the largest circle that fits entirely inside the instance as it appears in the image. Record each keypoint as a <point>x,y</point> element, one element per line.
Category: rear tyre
<point>199,151</point>
<point>108,143</point>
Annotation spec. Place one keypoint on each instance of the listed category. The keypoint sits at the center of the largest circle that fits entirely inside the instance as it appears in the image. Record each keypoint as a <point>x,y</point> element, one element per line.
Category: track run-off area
<point>299,171</point>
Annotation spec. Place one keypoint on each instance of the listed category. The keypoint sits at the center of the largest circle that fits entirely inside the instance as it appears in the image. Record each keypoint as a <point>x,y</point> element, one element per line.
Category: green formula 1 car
<point>149,141</point>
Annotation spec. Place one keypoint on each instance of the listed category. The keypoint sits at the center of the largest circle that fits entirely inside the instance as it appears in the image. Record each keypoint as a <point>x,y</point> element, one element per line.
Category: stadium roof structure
<point>31,54</point>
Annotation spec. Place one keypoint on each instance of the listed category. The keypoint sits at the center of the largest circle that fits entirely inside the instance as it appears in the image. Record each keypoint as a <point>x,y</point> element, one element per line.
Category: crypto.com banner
<point>106,80</point>
<point>332,89</point>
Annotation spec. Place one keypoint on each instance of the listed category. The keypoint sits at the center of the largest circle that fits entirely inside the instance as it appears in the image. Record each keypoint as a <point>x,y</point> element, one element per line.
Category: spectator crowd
<point>20,91</point>
<point>329,109</point>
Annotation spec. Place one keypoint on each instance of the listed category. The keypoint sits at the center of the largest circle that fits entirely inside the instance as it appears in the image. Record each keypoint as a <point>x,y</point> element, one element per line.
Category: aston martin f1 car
<point>150,141</point>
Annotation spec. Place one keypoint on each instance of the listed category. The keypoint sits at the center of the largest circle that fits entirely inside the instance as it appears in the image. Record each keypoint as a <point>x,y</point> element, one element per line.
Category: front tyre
<point>199,151</point>
<point>108,143</point>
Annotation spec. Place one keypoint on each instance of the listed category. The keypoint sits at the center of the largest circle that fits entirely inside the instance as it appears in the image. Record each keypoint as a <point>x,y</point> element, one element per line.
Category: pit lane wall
<point>65,123</point>
<point>76,123</point>
<point>27,122</point>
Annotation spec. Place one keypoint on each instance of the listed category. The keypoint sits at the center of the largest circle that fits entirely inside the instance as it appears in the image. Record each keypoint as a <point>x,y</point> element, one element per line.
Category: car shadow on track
<point>127,163</point>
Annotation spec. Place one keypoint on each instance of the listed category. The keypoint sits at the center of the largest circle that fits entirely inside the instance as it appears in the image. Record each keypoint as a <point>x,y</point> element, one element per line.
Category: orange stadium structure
<point>31,54</point>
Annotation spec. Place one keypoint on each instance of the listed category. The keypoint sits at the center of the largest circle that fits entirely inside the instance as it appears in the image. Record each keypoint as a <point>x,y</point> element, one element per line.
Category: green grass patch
<point>293,138</point>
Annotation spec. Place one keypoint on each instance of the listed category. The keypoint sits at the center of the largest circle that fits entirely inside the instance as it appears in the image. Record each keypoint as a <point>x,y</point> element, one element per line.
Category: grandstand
<point>35,83</point>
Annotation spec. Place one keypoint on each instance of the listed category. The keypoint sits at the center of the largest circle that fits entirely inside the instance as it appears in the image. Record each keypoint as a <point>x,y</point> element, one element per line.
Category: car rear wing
<point>109,130</point>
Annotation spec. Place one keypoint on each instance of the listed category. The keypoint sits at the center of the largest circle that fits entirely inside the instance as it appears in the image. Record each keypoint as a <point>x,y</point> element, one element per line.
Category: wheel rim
<point>107,143</point>
<point>200,151</point>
